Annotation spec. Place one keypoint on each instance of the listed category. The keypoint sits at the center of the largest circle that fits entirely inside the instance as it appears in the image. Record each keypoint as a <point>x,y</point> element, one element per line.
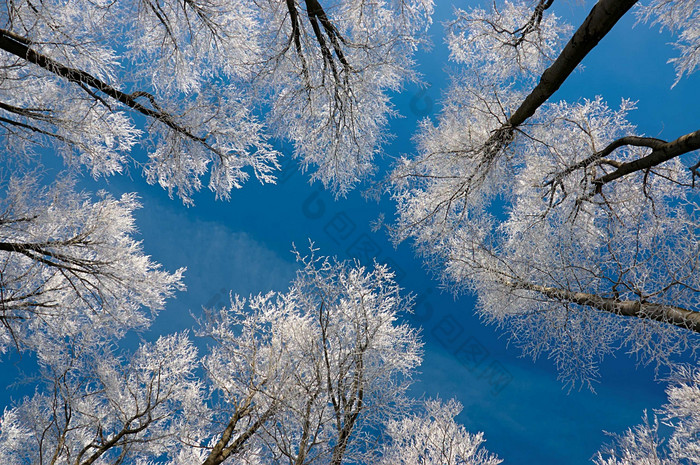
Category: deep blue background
<point>244,246</point>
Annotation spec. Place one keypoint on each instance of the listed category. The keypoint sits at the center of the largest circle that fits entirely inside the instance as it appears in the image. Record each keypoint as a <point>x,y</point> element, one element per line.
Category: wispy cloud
<point>219,260</point>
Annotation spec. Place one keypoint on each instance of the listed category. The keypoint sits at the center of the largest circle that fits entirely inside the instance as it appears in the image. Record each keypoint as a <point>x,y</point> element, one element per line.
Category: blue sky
<point>244,245</point>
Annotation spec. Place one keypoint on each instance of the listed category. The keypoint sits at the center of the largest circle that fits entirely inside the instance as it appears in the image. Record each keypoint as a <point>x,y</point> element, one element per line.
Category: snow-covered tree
<point>70,267</point>
<point>99,408</point>
<point>317,374</point>
<point>560,216</point>
<point>432,437</point>
<point>203,84</point>
<point>305,376</point>
<point>644,444</point>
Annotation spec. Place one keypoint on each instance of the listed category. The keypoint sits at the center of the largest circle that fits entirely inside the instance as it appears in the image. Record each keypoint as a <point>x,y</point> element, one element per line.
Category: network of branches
<point>575,231</point>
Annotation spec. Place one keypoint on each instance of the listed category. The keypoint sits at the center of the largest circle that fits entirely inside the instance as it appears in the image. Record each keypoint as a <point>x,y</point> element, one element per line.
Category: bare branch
<point>661,153</point>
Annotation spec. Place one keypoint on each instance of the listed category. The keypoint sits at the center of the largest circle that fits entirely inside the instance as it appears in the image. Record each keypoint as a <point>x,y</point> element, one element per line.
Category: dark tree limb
<point>604,15</point>
<point>35,129</point>
<point>533,24</point>
<point>44,254</point>
<point>296,35</point>
<point>224,448</point>
<point>115,441</point>
<point>306,441</point>
<point>661,152</point>
<point>635,141</point>
<point>22,48</point>
<point>325,32</point>
<point>317,13</point>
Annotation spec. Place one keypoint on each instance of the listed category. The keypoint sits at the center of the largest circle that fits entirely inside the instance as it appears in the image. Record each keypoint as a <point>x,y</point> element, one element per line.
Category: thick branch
<point>215,454</point>
<point>35,129</point>
<point>661,153</point>
<point>677,316</point>
<point>344,433</point>
<point>604,15</point>
<point>296,31</point>
<point>41,253</point>
<point>304,445</point>
<point>635,141</point>
<point>533,24</point>
<point>316,11</point>
<point>317,15</point>
<point>223,450</point>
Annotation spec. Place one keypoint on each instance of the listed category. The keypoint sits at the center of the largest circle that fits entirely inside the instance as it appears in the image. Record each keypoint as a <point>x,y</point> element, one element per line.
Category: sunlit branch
<point>677,316</point>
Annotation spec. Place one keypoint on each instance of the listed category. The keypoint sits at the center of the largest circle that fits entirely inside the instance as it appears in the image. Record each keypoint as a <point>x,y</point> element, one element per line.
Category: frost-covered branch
<point>22,48</point>
<point>604,15</point>
<point>508,187</point>
<point>602,18</point>
<point>660,153</point>
<point>302,374</point>
<point>99,408</point>
<point>214,80</point>
<point>432,437</point>
<point>678,444</point>
<point>69,263</point>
